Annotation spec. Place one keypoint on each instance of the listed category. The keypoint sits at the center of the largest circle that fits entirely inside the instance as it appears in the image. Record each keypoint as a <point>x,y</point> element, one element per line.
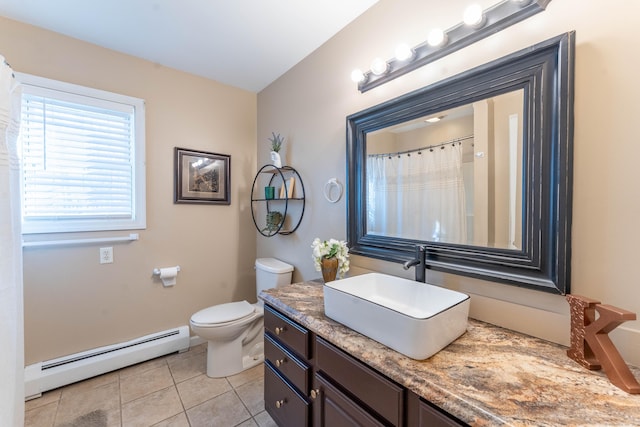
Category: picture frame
<point>201,177</point>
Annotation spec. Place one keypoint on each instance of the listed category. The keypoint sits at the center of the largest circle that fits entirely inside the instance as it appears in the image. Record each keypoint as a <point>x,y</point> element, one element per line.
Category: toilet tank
<point>271,273</point>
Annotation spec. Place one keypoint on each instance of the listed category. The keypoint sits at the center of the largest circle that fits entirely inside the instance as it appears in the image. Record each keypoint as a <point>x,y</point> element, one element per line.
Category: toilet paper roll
<point>168,275</point>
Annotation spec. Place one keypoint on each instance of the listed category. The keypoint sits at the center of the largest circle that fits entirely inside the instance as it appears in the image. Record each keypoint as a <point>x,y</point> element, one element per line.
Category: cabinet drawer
<point>337,409</point>
<point>284,404</point>
<point>296,371</point>
<point>288,332</point>
<point>378,393</point>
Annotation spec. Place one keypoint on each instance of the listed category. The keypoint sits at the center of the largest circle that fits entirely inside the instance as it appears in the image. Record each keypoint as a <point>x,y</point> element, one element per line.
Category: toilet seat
<point>223,314</point>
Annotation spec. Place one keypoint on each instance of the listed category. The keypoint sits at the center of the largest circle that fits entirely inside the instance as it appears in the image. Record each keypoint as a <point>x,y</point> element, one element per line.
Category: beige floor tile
<point>97,418</point>
<point>264,420</point>
<point>179,420</point>
<point>152,408</point>
<point>142,367</point>
<point>41,416</point>
<point>145,395</point>
<point>98,400</point>
<point>147,382</point>
<point>224,410</point>
<point>249,375</point>
<point>184,368</point>
<point>252,395</point>
<point>198,349</point>
<point>45,399</point>
<point>92,383</point>
<point>199,389</point>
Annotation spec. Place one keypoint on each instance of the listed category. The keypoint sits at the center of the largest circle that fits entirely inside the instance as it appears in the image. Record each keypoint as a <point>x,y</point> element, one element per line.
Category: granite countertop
<point>489,376</point>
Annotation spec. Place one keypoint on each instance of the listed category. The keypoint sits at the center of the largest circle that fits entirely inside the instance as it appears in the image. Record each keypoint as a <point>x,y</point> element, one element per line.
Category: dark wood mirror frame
<point>545,72</point>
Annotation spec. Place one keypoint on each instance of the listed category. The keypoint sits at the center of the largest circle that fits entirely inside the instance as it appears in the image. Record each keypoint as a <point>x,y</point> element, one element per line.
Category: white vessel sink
<point>413,318</point>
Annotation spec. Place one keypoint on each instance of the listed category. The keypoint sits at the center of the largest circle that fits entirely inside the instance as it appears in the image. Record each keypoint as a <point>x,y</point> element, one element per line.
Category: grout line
<point>120,395</point>
<point>175,384</point>
<point>243,404</point>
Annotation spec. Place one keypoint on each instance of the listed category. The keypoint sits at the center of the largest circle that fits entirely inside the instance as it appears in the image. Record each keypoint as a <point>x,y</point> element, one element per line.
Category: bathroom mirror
<point>477,168</point>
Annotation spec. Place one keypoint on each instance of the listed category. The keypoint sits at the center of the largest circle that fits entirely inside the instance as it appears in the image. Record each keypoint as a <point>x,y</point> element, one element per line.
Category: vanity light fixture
<point>357,75</point>
<point>404,52</point>
<point>473,16</point>
<point>379,66</point>
<point>484,23</point>
<point>436,38</point>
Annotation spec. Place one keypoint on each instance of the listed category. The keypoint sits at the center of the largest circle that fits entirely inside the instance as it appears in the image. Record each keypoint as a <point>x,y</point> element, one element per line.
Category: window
<point>82,158</point>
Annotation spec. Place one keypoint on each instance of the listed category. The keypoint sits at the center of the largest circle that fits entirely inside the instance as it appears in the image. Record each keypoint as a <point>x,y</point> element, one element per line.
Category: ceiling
<point>242,43</point>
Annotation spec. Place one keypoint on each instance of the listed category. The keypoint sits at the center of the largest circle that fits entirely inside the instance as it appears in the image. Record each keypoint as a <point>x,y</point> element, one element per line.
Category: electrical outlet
<point>106,255</point>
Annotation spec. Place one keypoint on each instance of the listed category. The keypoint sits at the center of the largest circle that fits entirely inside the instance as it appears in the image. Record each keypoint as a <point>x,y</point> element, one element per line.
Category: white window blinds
<point>79,158</point>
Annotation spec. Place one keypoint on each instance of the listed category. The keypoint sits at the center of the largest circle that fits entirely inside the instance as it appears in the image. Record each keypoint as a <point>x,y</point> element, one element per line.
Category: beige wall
<point>73,303</point>
<point>309,104</point>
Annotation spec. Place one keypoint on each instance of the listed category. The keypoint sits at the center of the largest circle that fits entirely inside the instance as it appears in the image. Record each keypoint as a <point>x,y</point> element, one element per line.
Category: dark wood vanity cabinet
<point>376,395</point>
<point>310,382</point>
<point>288,370</point>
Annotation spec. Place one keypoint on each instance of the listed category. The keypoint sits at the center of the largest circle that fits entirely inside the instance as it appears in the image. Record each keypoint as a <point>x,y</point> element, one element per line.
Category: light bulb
<point>357,75</point>
<point>473,15</point>
<point>379,66</point>
<point>404,52</point>
<point>436,37</point>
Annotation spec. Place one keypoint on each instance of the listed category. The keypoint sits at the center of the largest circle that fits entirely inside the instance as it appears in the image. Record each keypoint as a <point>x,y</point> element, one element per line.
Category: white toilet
<point>234,330</point>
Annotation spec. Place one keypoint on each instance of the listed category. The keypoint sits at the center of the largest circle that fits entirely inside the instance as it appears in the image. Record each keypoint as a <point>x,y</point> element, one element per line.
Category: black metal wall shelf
<point>288,200</point>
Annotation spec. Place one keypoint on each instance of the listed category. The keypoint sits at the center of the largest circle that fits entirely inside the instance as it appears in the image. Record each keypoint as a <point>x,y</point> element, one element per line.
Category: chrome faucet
<point>419,262</point>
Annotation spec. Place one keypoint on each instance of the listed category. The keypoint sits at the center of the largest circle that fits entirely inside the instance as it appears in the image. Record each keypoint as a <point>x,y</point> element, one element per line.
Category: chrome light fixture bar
<point>495,18</point>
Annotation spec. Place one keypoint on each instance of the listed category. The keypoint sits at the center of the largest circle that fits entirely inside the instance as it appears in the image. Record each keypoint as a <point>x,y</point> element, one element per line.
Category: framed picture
<point>202,177</point>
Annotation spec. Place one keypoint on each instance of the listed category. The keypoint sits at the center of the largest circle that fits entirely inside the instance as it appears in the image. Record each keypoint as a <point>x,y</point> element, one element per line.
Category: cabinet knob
<point>280,362</point>
<point>279,403</point>
<point>315,393</point>
<point>279,330</point>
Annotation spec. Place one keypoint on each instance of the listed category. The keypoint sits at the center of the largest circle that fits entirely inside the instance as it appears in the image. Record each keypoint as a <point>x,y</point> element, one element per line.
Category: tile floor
<point>170,391</point>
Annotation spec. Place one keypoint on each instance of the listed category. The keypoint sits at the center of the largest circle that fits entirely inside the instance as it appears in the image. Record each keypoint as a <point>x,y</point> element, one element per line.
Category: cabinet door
<point>376,392</point>
<point>424,414</point>
<point>284,404</point>
<point>332,408</point>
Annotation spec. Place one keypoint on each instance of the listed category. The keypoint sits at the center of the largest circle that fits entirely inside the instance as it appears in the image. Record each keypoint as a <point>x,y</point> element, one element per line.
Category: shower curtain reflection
<point>418,195</point>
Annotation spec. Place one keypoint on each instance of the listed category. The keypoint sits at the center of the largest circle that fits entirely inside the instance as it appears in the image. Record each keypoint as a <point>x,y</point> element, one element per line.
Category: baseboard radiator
<point>44,376</point>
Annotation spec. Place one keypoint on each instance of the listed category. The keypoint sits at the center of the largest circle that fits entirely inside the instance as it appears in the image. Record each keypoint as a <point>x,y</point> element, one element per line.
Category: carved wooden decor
<point>591,346</point>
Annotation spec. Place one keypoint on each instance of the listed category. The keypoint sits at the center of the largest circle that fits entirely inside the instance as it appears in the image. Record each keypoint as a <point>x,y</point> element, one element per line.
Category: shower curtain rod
<point>7,64</point>
<point>428,147</point>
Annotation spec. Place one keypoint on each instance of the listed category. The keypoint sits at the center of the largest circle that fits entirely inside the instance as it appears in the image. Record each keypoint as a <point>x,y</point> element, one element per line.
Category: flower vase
<point>329,268</point>
<point>276,160</point>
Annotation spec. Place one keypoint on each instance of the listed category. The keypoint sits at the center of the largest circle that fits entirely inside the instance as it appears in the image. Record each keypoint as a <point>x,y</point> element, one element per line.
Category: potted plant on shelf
<point>331,258</point>
<point>274,220</point>
<point>276,144</point>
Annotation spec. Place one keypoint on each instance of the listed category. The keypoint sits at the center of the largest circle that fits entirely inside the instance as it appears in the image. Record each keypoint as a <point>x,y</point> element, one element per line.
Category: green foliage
<point>276,142</point>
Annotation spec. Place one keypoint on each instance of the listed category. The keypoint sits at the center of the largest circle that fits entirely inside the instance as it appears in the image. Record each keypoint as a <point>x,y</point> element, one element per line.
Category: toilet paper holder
<point>156,271</point>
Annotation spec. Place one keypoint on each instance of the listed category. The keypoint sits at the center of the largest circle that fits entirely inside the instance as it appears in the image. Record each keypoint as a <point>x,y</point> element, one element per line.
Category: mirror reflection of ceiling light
<point>435,119</point>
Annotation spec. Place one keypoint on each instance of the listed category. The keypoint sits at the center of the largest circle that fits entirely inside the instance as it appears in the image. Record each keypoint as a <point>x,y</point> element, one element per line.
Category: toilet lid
<point>223,313</point>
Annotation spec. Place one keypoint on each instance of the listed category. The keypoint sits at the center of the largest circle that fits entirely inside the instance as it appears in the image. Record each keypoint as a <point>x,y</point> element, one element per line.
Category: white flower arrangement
<point>331,249</point>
